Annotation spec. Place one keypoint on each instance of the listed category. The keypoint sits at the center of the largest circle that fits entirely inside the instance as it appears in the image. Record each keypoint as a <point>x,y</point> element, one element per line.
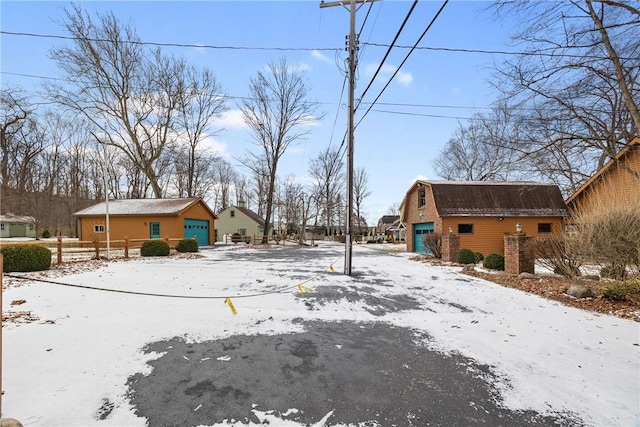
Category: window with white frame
<point>98,228</point>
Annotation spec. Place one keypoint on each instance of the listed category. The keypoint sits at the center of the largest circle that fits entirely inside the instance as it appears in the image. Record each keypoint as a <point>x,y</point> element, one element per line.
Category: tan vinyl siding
<point>615,187</point>
<point>488,232</point>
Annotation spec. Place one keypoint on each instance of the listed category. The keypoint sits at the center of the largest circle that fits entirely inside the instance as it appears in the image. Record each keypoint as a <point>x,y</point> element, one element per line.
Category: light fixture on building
<point>450,230</point>
<point>421,215</point>
<point>518,228</point>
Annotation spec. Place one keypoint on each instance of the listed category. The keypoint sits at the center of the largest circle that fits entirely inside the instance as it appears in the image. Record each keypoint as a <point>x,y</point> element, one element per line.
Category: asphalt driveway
<point>345,372</point>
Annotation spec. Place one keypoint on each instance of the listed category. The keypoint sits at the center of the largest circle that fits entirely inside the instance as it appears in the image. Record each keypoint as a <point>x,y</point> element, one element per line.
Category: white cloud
<point>217,146</point>
<point>230,119</point>
<point>403,77</point>
<point>316,54</point>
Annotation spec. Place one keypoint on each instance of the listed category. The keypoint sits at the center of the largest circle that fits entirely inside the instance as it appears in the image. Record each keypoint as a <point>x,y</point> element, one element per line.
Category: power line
<point>161,44</point>
<point>337,50</point>
<point>435,17</point>
<point>386,55</point>
<point>496,52</point>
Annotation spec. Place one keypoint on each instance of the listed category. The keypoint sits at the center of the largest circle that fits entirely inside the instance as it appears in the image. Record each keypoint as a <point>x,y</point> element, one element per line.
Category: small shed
<point>149,219</point>
<point>17,226</point>
<point>481,212</point>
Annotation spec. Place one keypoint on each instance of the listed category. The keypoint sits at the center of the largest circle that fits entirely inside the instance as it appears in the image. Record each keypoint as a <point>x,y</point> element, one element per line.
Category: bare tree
<point>360,193</point>
<point>276,112</point>
<point>224,177</point>
<point>578,78</point>
<point>327,169</point>
<point>200,101</point>
<point>470,155</point>
<point>139,101</point>
<point>14,114</point>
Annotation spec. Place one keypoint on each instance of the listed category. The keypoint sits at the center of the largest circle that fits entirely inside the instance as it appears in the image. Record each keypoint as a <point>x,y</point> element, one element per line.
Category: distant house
<point>385,222</point>
<point>398,231</point>
<point>391,226</point>
<point>481,213</point>
<point>17,226</point>
<point>238,219</point>
<point>148,219</point>
<point>615,184</point>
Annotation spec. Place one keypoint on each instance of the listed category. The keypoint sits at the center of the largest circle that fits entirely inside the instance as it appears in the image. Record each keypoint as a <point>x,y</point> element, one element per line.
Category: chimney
<point>241,203</point>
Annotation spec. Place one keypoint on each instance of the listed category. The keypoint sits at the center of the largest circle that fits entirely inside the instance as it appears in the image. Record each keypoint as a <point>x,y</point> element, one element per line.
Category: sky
<point>396,142</point>
<point>84,344</point>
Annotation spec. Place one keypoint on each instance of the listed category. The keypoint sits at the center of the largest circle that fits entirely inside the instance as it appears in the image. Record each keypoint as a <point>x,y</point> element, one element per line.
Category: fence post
<point>126,247</point>
<point>59,250</point>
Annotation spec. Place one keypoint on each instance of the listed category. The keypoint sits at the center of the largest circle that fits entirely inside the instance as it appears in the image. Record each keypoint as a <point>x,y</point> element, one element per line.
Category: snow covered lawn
<point>71,365</point>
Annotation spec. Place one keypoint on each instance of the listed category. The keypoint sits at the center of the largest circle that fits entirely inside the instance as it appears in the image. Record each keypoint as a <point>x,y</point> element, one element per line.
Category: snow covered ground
<point>87,343</point>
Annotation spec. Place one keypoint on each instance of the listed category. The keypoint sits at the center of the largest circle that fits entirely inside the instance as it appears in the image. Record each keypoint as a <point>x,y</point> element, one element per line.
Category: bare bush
<point>433,241</point>
<point>558,253</point>
<point>610,237</point>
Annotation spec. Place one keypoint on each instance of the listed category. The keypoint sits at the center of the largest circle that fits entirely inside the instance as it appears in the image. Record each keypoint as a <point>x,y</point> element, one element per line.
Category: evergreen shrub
<point>25,258</point>
<point>465,256</point>
<point>187,245</point>
<point>618,291</point>
<point>494,261</point>
<point>155,248</point>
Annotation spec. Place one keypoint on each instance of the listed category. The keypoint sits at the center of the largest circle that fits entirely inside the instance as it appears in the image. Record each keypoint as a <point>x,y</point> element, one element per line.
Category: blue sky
<point>395,149</point>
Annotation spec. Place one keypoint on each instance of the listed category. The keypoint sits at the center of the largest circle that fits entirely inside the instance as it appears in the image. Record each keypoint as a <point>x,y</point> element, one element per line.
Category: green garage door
<point>198,228</point>
<point>419,230</point>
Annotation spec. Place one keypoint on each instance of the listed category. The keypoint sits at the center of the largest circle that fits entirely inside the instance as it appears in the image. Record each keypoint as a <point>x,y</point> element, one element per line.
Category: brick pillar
<point>450,247</point>
<point>518,254</point>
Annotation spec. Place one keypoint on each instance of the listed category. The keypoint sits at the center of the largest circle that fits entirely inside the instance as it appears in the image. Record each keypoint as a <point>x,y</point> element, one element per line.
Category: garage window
<point>544,227</point>
<point>98,228</point>
<point>465,228</point>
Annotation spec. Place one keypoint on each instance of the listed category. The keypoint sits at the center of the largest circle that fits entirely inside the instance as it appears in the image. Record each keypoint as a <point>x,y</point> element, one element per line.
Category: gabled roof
<point>632,147</point>
<point>388,219</point>
<point>248,212</point>
<point>143,207</point>
<point>17,219</point>
<point>484,198</point>
<point>251,214</point>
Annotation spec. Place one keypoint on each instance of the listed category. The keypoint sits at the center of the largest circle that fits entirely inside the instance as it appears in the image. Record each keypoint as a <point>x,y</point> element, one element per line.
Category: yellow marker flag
<point>331,268</point>
<point>303,288</point>
<point>230,304</point>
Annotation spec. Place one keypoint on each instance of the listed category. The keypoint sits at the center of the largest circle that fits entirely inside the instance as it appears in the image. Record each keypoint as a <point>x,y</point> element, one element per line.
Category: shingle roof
<point>139,207</point>
<point>480,198</point>
<point>251,214</point>
<point>388,219</point>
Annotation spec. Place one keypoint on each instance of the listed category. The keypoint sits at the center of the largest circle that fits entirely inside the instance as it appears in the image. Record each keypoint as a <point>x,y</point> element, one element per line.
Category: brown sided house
<point>149,219</point>
<point>616,184</point>
<point>480,212</point>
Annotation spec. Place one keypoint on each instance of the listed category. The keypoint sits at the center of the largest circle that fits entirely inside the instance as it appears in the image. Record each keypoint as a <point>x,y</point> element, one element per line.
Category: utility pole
<point>352,49</point>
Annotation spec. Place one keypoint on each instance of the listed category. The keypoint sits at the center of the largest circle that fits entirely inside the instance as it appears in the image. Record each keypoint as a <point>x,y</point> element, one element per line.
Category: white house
<point>17,226</point>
